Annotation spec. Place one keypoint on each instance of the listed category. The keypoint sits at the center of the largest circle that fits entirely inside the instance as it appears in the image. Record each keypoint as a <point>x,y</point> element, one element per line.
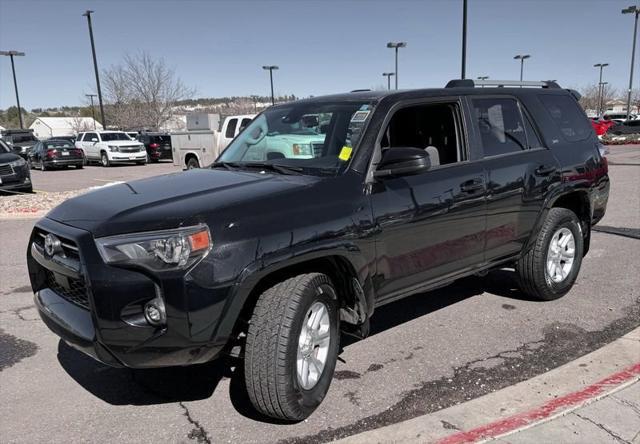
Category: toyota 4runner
<point>400,192</point>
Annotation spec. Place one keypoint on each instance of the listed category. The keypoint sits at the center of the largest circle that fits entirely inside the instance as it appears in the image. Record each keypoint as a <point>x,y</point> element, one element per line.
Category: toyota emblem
<point>52,245</point>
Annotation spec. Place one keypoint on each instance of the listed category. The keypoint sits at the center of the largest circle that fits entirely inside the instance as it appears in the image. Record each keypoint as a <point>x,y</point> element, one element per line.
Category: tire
<point>144,162</point>
<point>104,160</point>
<point>79,166</point>
<point>193,163</point>
<point>272,355</point>
<point>534,275</point>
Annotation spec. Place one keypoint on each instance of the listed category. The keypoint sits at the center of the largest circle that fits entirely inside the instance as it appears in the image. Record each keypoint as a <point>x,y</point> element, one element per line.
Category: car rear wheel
<point>292,347</point>
<point>550,268</point>
<point>104,159</point>
<point>79,166</point>
<point>192,163</point>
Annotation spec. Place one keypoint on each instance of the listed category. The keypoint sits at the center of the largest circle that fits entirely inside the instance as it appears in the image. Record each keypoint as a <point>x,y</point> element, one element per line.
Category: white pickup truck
<point>205,138</point>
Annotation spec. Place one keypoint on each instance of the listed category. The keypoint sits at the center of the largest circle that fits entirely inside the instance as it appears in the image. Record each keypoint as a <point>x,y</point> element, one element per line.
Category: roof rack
<point>359,90</point>
<point>468,83</point>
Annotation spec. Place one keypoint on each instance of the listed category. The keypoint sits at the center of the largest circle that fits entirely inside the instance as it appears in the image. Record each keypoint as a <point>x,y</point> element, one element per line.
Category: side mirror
<point>402,162</point>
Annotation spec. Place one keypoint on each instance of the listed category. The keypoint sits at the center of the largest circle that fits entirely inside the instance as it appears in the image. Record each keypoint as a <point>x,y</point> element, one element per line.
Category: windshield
<point>308,136</point>
<point>108,137</point>
<point>53,144</point>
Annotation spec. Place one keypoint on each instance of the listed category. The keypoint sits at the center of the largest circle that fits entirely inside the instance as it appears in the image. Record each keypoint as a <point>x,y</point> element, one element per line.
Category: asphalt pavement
<point>426,353</point>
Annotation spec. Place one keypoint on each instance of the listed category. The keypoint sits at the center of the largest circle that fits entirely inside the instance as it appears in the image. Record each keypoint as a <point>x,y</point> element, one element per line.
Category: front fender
<point>254,273</point>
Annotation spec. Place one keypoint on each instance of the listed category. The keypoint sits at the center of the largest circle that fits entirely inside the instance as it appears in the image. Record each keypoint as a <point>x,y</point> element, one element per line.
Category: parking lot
<point>425,353</point>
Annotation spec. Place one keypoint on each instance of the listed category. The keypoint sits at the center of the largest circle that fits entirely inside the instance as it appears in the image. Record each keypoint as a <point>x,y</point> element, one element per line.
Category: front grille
<point>6,170</point>
<point>73,290</point>
<point>69,247</point>
<point>129,149</point>
<point>318,149</point>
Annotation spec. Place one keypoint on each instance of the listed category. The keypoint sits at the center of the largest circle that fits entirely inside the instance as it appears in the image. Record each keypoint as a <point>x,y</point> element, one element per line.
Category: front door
<point>429,225</point>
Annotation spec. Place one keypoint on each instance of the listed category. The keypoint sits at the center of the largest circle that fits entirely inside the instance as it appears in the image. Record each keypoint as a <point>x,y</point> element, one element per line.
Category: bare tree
<point>142,92</point>
<point>80,124</point>
<point>591,96</point>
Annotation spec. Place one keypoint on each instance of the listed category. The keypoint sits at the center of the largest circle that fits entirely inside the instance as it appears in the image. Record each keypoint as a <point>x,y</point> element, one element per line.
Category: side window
<point>245,122</point>
<point>434,128</point>
<point>231,129</point>
<point>567,116</point>
<point>80,136</point>
<point>532,134</point>
<point>501,126</point>
<point>89,136</point>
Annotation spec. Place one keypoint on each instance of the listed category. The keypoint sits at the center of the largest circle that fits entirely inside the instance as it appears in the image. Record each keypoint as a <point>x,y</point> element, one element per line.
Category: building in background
<point>46,127</point>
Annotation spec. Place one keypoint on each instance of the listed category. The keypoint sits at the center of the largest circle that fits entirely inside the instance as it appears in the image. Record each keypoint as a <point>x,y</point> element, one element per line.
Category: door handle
<point>545,170</point>
<point>472,185</point>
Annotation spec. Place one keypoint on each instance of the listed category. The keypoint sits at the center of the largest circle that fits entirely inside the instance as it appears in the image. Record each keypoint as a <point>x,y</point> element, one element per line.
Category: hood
<point>122,142</point>
<point>8,157</point>
<point>169,201</point>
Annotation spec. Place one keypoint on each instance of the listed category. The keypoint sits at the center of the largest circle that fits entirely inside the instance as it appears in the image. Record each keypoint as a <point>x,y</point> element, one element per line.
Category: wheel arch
<point>355,296</point>
<point>574,199</point>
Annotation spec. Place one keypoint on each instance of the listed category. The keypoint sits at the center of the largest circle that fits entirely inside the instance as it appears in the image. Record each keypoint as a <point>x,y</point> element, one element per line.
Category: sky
<point>321,47</point>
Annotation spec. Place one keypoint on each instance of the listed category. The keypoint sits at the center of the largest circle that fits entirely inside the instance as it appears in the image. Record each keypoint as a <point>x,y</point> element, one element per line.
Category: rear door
<point>520,172</point>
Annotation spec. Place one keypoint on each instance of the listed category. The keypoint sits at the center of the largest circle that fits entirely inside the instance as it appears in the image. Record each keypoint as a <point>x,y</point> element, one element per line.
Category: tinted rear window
<point>567,116</point>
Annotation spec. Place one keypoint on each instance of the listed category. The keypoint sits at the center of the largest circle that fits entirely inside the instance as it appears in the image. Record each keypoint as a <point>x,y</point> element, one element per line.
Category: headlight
<point>164,250</point>
<point>113,148</point>
<point>18,163</point>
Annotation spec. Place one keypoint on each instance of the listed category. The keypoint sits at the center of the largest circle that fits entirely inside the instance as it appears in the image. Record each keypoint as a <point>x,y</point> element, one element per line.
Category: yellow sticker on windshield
<point>345,153</point>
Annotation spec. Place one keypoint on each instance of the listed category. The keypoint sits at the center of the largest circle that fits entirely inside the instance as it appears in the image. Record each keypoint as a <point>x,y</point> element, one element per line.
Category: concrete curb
<point>525,404</point>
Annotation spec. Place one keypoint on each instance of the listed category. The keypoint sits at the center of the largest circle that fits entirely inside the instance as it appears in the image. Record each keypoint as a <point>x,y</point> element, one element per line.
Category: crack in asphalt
<point>562,343</point>
<point>602,427</point>
<point>633,233</point>
<point>198,432</point>
<point>18,312</point>
<point>629,404</point>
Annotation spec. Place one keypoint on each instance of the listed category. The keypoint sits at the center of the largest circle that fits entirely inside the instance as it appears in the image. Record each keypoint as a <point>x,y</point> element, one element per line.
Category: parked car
<point>275,255</point>
<point>14,172</point>
<point>206,137</point>
<point>625,128</point>
<point>109,147</point>
<point>55,154</point>
<point>133,135</point>
<point>20,140</point>
<point>601,126</point>
<point>618,117</point>
<point>158,145</point>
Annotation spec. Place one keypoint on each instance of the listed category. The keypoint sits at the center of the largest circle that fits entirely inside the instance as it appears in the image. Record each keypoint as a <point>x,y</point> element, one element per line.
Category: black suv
<point>298,232</point>
<point>158,145</point>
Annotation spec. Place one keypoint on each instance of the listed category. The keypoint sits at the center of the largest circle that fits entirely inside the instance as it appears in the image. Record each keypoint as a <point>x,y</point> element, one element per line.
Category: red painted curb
<point>514,422</point>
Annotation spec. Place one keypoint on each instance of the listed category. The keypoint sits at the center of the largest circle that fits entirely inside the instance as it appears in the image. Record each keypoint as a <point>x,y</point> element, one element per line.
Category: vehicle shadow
<point>118,386</point>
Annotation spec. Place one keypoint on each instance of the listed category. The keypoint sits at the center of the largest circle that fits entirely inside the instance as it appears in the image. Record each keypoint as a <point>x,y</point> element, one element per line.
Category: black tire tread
<point>266,345</point>
<point>530,267</point>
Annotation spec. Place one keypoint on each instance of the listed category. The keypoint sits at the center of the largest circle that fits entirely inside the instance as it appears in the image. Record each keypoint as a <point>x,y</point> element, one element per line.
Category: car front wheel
<point>104,159</point>
<point>550,268</point>
<point>292,347</point>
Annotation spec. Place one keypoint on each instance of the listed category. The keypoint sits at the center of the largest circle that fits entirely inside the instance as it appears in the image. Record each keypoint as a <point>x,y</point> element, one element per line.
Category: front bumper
<point>19,180</point>
<point>98,309</point>
<point>127,157</point>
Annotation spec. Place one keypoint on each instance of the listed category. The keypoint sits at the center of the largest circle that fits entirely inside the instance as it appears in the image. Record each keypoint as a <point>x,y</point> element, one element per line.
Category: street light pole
<point>522,58</point>
<point>87,14</point>
<point>11,54</point>
<point>396,45</point>
<point>271,68</point>
<point>93,113</point>
<point>388,75</point>
<point>632,10</point>
<point>464,39</point>
<point>600,87</point>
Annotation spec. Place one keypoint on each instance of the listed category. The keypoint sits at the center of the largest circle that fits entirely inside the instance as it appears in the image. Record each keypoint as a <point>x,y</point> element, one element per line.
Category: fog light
<point>154,312</point>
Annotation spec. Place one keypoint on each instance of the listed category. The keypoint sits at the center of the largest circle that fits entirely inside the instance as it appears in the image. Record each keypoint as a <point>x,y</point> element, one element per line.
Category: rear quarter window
<point>567,116</point>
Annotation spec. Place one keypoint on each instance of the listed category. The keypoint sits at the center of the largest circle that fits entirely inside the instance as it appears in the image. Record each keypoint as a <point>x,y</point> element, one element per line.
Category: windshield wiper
<point>282,169</point>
